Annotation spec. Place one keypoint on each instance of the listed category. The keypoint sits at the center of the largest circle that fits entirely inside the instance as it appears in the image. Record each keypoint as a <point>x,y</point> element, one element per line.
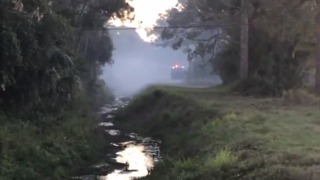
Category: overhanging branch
<point>229,5</point>
<point>220,36</point>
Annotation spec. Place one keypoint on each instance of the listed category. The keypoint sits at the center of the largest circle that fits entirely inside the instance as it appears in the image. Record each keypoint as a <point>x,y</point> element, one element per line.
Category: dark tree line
<point>51,59</point>
<point>267,46</point>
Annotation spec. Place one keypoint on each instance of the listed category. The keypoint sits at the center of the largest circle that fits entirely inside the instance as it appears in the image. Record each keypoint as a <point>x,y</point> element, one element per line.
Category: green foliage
<point>45,69</point>
<point>226,64</point>
<point>222,136</point>
<point>49,148</point>
<point>224,159</point>
<point>98,94</point>
<point>48,89</point>
<point>300,96</point>
<point>40,62</point>
<point>10,55</point>
<point>280,44</point>
<point>272,68</point>
<point>184,168</point>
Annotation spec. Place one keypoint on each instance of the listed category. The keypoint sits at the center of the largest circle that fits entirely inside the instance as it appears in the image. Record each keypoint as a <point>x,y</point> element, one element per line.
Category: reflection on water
<point>139,164</point>
<point>137,156</point>
<point>106,124</point>
<point>113,132</point>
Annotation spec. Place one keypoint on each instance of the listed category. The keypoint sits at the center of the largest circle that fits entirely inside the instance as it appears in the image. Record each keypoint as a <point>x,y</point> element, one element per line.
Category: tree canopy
<point>280,45</point>
<point>40,54</point>
<point>50,88</point>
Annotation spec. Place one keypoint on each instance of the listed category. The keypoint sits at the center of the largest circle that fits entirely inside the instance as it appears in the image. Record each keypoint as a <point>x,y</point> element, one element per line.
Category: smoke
<point>138,64</point>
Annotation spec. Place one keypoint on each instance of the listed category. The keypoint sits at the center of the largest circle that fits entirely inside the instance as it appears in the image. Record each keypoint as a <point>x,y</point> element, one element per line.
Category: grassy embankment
<point>49,146</point>
<point>211,134</point>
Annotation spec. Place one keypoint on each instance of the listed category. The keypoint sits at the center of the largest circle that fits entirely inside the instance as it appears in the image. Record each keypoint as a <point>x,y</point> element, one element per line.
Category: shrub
<point>48,147</point>
<point>223,159</point>
<point>272,68</point>
<point>300,96</point>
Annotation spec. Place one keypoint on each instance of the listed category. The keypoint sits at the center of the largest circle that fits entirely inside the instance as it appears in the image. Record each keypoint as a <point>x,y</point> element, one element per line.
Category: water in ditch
<point>129,156</point>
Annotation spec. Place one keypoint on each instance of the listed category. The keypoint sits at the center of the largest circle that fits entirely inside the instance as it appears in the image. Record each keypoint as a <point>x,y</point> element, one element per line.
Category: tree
<point>280,43</point>
<point>40,64</point>
<point>244,64</point>
<point>317,59</point>
<point>47,88</point>
<point>201,32</point>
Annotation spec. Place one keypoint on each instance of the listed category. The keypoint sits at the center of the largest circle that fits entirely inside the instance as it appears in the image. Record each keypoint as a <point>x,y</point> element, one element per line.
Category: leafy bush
<point>48,88</point>
<point>226,64</point>
<point>34,150</point>
<point>272,68</point>
<point>256,86</point>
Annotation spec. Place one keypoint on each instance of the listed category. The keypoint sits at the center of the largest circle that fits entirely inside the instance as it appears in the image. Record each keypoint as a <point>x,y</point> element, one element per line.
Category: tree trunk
<point>317,60</point>
<point>86,45</point>
<point>244,64</point>
<point>317,51</point>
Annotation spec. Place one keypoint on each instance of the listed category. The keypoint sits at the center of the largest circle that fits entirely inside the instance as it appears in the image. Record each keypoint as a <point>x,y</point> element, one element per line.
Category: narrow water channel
<point>130,156</point>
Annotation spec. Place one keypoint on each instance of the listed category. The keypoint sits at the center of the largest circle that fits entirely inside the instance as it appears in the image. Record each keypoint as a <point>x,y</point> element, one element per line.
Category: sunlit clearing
<point>138,162</point>
<point>146,13</point>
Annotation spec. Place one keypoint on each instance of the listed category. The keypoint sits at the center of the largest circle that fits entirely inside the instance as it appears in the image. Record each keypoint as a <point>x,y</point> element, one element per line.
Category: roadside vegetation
<point>50,86</point>
<point>213,133</point>
<point>263,122</point>
<point>249,43</point>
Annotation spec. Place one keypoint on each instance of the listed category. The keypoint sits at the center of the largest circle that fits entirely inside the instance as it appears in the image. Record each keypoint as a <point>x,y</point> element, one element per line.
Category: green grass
<point>48,147</point>
<point>223,159</point>
<point>211,133</point>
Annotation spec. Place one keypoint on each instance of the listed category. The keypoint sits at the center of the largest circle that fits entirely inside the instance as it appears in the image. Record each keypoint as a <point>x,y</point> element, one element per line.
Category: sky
<point>137,62</point>
<point>146,13</point>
